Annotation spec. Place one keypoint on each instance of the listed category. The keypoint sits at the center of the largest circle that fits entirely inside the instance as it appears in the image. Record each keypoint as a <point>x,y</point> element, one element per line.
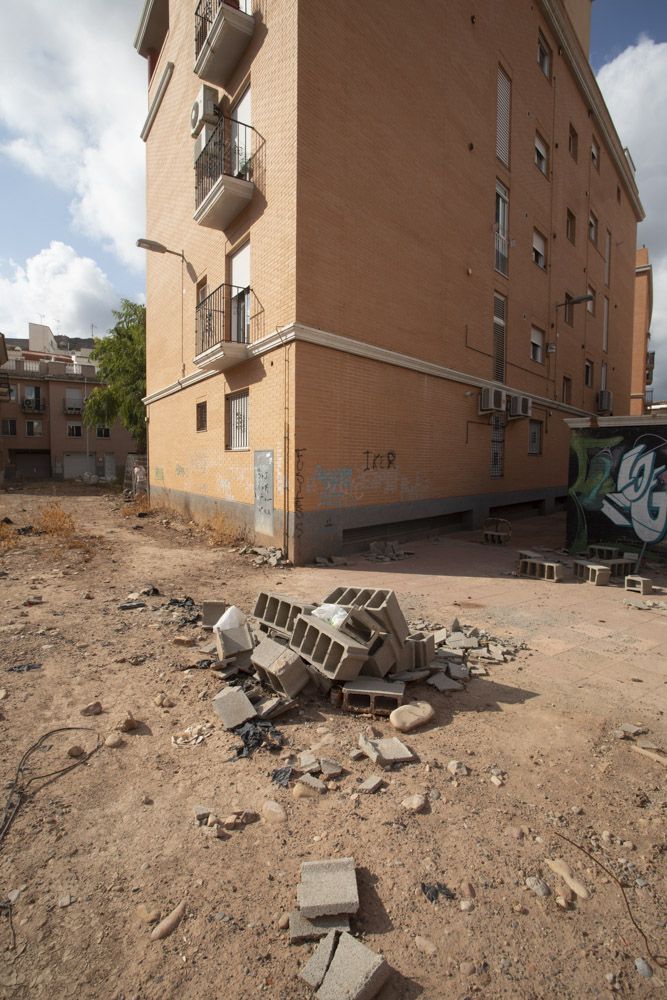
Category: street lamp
<point>559,305</point>
<point>154,247</point>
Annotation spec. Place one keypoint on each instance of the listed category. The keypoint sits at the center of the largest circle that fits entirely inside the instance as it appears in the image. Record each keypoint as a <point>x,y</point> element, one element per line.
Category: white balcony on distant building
<point>222,33</point>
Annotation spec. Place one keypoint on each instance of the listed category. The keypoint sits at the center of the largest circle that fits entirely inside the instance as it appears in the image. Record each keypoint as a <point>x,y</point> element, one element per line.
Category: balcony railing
<point>223,29</point>
<point>224,316</point>
<point>229,152</point>
<point>648,397</point>
<point>33,405</point>
<point>502,251</point>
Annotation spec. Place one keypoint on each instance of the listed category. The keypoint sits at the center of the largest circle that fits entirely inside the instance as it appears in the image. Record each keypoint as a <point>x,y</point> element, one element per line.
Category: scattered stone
<point>94,708</point>
<point>283,921</point>
<point>147,916</point>
<point>3,693</point>
<point>113,740</point>
<point>202,814</point>
<point>414,803</point>
<point>169,924</point>
<point>457,768</point>
<point>371,785</point>
<point>273,812</point>
<point>184,640</point>
<point>126,723</point>
<point>328,888</point>
<point>497,781</point>
<point>467,890</point>
<point>330,768</point>
<point>65,900</point>
<point>386,752</point>
<point>643,968</point>
<point>467,905</point>
<point>560,868</point>
<point>162,701</point>
<point>308,763</point>
<point>131,605</point>
<point>409,717</point>
<point>442,682</point>
<point>304,929</point>
<point>467,968</point>
<point>425,945</point>
<point>312,783</point>
<point>538,886</point>
<point>76,751</point>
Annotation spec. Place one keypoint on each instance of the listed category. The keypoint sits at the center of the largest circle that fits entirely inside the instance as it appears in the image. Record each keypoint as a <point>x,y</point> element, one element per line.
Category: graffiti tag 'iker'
<point>639,503</point>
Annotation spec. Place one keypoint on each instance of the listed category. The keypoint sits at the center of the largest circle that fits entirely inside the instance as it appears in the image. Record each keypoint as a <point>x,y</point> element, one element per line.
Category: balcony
<point>33,405</point>
<point>222,34</point>
<point>223,174</point>
<point>223,328</point>
<point>650,365</point>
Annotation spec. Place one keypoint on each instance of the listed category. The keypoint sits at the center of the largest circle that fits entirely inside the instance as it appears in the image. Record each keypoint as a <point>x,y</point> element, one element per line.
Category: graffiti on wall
<point>618,486</point>
<point>379,460</point>
<point>298,496</point>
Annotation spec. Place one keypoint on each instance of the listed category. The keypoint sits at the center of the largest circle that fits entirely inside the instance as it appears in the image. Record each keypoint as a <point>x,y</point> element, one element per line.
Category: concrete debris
<point>309,781</point>
<point>538,886</point>
<point>457,768</point>
<point>316,968</point>
<point>328,888</point>
<point>193,735</point>
<point>264,555</point>
<point>386,752</point>
<point>415,803</point>
<point>386,552</point>
<point>233,707</point>
<point>444,683</point>
<point>355,972</point>
<point>371,785</point>
<point>302,928</point>
<point>94,708</point>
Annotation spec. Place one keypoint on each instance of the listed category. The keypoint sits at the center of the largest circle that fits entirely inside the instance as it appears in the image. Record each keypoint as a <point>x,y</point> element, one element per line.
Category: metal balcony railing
<point>206,13</point>
<point>33,405</point>
<point>648,397</point>
<point>230,151</point>
<point>502,252</point>
<point>224,316</point>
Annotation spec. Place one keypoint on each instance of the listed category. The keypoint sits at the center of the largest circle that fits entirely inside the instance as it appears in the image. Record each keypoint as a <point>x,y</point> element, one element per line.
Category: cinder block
<point>386,752</point>
<point>280,668</point>
<point>211,613</point>
<point>233,640</point>
<point>315,969</point>
<point>233,707</point>
<point>382,605</point>
<point>279,612</point>
<point>604,551</point>
<point>327,649</point>
<point>359,626</point>
<point>374,695</point>
<point>304,929</point>
<point>639,584</point>
<point>328,888</point>
<point>355,972</point>
<point>421,649</point>
<point>382,659</point>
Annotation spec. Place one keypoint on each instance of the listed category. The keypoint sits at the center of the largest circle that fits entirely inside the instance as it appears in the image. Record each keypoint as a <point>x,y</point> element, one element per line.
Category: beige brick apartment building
<point>643,360</point>
<point>389,214</point>
<point>43,390</point>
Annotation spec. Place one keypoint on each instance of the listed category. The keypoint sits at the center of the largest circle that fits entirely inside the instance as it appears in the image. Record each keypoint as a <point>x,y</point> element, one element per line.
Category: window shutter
<point>499,338</point>
<point>504,103</point>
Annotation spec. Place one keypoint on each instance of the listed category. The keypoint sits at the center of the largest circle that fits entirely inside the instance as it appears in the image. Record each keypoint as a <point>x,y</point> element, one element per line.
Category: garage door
<point>76,463</point>
<point>33,464</point>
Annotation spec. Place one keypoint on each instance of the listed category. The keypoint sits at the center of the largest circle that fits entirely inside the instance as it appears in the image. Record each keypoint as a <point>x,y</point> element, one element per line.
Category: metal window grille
<point>503,116</point>
<point>237,421</point>
<point>534,437</point>
<point>103,432</point>
<point>502,242</point>
<point>74,430</point>
<point>499,311</point>
<point>497,445</point>
<point>202,416</point>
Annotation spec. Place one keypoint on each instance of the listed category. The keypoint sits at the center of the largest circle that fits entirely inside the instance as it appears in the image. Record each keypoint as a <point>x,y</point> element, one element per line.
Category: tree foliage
<point>121,359</point>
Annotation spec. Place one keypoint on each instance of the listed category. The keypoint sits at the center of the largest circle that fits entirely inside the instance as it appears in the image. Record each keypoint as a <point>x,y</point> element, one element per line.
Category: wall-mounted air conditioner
<point>492,401</point>
<point>204,110</point>
<point>520,406</point>
<point>605,401</point>
<point>202,139</point>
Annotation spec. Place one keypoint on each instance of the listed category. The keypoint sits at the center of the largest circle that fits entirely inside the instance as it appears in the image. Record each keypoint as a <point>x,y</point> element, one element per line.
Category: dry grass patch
<point>53,520</point>
<point>221,532</point>
<point>9,539</point>
<point>141,505</point>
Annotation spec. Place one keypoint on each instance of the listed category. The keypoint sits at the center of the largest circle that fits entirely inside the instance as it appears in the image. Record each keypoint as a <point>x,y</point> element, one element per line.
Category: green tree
<point>121,358</point>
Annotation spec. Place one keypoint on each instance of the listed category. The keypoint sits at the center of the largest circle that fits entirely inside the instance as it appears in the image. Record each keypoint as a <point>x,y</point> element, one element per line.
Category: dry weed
<point>8,538</point>
<point>221,532</point>
<point>141,505</point>
<point>53,520</point>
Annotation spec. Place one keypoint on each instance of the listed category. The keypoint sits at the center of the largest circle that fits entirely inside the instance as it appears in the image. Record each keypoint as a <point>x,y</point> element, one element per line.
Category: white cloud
<point>634,85</point>
<point>59,288</point>
<point>72,99</point>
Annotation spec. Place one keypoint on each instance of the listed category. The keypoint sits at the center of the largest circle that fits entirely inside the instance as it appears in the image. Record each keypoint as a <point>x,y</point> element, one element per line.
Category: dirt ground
<point>119,830</point>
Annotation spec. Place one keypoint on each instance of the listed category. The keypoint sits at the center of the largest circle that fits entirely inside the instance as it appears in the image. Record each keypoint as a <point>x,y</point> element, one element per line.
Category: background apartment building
<point>643,360</point>
<point>408,236</point>
<point>42,395</point>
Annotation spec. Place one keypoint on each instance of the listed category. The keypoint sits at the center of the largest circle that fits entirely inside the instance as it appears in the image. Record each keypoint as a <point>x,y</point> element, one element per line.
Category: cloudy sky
<point>72,103</point>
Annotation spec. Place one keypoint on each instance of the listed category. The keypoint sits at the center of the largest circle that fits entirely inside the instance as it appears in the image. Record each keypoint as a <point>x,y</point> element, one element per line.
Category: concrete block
<point>458,671</point>
<point>442,682</point>
<point>280,668</point>
<point>382,605</point>
<point>591,572</point>
<point>315,969</point>
<point>303,929</point>
<point>410,676</point>
<point>374,695</point>
<point>371,785</point>
<point>604,551</point>
<point>279,612</point>
<point>382,659</point>
<point>212,611</point>
<point>233,640</point>
<point>386,752</point>
<point>621,566</point>
<point>328,888</point>
<point>460,641</point>
<point>421,648</point>
<point>359,626</point>
<point>324,647</point>
<point>541,569</point>
<point>355,972</point>
<point>639,584</point>
<point>233,707</point>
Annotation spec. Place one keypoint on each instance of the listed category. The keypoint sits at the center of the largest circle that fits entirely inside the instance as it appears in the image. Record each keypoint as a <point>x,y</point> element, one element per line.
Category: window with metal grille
<point>573,142</point>
<point>502,213</point>
<point>571,227</point>
<point>537,345</point>
<point>74,431</point>
<point>497,445</point>
<point>236,408</point>
<point>539,249</point>
<point>499,323</point>
<point>503,116</point>
<point>541,154</point>
<point>567,389</point>
<point>201,416</point>
<point>605,324</point>
<point>534,437</point>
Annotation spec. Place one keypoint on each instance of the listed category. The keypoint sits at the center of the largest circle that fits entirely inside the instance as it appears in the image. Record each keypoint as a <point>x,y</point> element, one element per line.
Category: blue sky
<point>72,103</point>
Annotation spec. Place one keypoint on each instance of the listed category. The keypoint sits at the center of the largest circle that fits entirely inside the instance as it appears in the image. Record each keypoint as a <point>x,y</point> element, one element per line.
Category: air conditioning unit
<point>492,401</point>
<point>28,404</point>
<point>204,110</point>
<point>605,401</point>
<point>520,406</point>
<point>202,139</point>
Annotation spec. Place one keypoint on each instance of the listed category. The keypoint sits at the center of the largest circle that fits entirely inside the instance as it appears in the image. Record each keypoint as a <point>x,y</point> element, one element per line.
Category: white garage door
<point>76,463</point>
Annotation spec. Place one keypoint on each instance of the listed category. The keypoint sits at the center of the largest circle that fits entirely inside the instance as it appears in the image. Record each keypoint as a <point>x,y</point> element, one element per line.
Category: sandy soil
<point>119,831</point>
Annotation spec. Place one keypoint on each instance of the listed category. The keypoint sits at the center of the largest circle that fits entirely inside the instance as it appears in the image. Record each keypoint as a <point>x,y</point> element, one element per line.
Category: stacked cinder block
<point>328,649</point>
<point>277,614</point>
<point>279,667</point>
<point>383,607</point>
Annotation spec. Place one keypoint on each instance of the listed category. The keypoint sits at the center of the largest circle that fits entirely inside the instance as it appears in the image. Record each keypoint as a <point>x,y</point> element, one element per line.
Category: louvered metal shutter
<point>499,304</point>
<point>504,105</point>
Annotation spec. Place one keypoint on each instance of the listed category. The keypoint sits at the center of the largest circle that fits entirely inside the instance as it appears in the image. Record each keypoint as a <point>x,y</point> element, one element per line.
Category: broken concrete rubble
<point>355,972</point>
<point>233,707</point>
<point>328,888</point>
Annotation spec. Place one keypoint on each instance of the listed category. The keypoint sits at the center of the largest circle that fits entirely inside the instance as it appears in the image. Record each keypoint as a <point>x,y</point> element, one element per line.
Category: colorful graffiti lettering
<point>639,501</point>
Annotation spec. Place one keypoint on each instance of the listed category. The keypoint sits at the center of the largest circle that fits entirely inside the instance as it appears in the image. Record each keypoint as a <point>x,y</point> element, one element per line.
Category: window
<point>567,389</point>
<point>541,154</point>
<point>568,310</point>
<point>607,258</point>
<point>236,408</point>
<point>73,400</point>
<point>593,228</point>
<point>74,431</point>
<point>103,432</point>
<point>588,374</point>
<point>595,153</point>
<point>590,305</point>
<point>573,143</point>
<point>605,324</point>
<point>502,212</point>
<point>12,394</point>
<point>499,317</point>
<point>537,345</point>
<point>239,276</point>
<point>603,376</point>
<point>534,437</point>
<point>503,113</point>
<point>543,55</point>
<point>33,428</point>
<point>201,416</point>
<point>571,227</point>
<point>202,289</point>
<point>539,249</point>
<point>8,428</point>
<point>497,445</point>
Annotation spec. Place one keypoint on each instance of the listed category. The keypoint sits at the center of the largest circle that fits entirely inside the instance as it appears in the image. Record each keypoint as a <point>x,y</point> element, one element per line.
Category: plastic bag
<point>331,613</point>
<point>232,618</point>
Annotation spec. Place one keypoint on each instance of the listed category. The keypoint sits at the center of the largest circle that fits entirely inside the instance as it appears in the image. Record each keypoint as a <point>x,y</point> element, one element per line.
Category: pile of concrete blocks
<point>340,967</point>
